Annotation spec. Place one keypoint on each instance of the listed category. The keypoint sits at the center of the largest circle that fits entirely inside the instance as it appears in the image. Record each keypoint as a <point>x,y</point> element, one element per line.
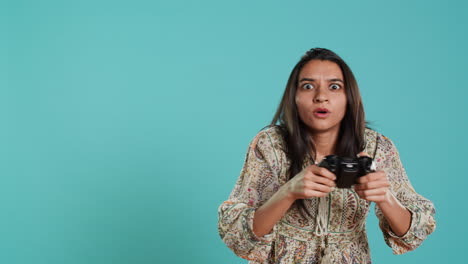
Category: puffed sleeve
<point>257,182</point>
<point>422,210</point>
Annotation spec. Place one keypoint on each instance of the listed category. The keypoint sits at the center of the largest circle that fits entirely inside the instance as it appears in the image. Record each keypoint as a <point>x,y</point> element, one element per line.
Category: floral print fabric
<point>293,238</point>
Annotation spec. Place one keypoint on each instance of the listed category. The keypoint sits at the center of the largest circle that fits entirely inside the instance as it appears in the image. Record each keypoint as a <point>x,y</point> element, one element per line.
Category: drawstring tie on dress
<point>321,230</point>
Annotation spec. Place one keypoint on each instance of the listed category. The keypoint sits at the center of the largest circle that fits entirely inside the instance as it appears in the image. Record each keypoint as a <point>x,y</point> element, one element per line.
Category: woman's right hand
<point>313,181</point>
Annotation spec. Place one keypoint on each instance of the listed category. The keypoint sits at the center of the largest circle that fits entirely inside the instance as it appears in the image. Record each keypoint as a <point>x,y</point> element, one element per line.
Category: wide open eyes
<point>335,86</point>
<point>309,86</point>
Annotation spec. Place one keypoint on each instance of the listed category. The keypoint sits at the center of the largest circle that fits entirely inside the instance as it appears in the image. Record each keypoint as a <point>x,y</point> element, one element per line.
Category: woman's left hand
<point>374,186</point>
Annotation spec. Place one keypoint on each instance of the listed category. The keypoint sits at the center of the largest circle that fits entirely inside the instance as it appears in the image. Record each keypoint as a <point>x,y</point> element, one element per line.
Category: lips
<point>321,112</point>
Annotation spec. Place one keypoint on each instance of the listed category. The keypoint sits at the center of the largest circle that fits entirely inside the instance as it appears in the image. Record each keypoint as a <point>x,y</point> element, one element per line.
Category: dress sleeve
<point>422,210</point>
<point>257,182</point>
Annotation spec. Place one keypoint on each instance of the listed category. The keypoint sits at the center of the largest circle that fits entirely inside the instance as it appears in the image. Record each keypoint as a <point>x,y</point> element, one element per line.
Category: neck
<point>325,143</point>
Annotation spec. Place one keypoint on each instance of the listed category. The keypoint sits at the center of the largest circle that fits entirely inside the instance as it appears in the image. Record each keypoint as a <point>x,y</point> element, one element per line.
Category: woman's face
<point>321,85</point>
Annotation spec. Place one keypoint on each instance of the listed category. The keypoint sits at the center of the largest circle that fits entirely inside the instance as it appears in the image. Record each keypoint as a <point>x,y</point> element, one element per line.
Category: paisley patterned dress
<point>294,239</point>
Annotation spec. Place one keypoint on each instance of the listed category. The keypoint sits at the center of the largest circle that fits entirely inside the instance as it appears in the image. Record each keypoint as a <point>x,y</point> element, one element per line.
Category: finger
<point>361,154</point>
<point>322,172</point>
<point>372,185</point>
<point>373,176</point>
<point>318,187</point>
<point>372,192</point>
<point>322,180</point>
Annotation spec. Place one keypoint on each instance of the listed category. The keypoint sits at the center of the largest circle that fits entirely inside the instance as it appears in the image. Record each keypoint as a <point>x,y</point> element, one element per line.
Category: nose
<point>320,96</point>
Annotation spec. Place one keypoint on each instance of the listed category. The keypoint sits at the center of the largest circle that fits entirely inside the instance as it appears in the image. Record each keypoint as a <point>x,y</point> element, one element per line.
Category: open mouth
<point>321,112</point>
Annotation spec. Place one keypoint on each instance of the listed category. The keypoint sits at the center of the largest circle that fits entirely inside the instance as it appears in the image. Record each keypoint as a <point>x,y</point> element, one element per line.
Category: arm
<point>313,181</point>
<point>272,211</point>
<point>422,210</point>
<point>375,187</point>
<point>256,184</point>
<point>397,216</point>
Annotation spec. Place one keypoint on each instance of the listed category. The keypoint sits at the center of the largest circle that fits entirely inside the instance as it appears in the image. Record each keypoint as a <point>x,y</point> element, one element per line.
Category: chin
<point>324,128</point>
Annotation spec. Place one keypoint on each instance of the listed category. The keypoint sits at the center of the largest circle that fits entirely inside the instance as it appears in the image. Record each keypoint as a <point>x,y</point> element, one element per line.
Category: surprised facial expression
<point>320,96</point>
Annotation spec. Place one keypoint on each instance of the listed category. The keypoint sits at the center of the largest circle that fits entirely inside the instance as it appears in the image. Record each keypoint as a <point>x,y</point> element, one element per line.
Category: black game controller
<point>347,170</point>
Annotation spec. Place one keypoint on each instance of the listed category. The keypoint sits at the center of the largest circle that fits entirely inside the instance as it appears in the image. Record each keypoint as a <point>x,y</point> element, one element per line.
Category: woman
<point>286,209</point>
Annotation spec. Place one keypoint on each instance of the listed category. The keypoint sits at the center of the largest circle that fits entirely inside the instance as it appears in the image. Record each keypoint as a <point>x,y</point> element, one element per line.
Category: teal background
<point>125,123</point>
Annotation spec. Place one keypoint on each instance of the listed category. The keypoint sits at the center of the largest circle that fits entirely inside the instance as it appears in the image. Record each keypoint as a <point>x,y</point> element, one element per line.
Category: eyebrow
<point>330,80</point>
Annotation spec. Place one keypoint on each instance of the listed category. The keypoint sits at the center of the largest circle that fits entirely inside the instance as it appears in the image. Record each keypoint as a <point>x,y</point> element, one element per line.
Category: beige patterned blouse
<point>293,238</point>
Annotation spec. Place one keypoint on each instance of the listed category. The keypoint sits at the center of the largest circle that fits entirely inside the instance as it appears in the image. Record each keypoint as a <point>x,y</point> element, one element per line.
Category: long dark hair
<point>351,135</point>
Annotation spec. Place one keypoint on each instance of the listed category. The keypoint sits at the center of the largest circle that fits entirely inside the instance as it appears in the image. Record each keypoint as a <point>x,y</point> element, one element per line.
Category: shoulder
<point>271,135</point>
<point>372,135</point>
<point>269,144</point>
<point>383,144</point>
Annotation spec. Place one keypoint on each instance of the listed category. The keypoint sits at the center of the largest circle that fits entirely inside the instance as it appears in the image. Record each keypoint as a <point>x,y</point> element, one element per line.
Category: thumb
<point>362,154</point>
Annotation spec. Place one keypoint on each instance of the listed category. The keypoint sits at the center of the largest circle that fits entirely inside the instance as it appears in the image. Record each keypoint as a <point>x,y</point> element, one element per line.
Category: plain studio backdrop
<point>125,124</point>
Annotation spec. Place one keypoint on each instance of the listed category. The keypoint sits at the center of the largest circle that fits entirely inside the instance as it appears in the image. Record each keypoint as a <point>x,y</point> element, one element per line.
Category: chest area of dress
<point>343,209</point>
